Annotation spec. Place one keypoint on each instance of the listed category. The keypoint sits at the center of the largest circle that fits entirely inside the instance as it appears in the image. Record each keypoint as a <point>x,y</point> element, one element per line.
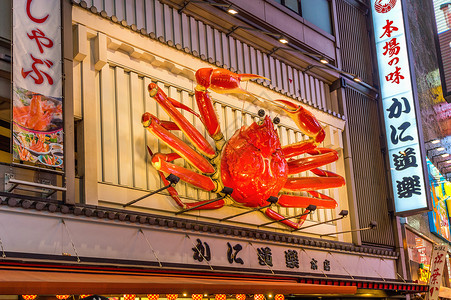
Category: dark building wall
<point>364,125</point>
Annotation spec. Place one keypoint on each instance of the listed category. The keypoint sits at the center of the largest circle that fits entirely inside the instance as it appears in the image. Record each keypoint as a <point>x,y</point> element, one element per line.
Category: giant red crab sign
<point>253,162</point>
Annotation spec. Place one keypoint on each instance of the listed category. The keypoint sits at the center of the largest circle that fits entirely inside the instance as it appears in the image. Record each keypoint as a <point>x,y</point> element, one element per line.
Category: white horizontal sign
<point>35,233</point>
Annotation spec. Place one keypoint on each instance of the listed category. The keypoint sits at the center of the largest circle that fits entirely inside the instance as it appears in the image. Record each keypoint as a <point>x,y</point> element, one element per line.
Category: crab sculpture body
<point>252,162</point>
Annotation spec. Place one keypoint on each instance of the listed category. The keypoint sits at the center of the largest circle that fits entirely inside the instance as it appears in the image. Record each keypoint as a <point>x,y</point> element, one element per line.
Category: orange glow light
<point>172,296</point>
<point>279,297</point>
<point>240,296</point>
<point>62,297</point>
<point>84,296</point>
<point>259,297</point>
<point>153,296</point>
<point>129,297</point>
<point>29,297</point>
<point>196,296</point>
<point>220,297</point>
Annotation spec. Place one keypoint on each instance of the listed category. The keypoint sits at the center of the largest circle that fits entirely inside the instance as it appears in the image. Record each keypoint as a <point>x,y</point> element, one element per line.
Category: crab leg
<point>160,162</point>
<point>327,180</point>
<point>278,217</point>
<point>220,81</point>
<point>321,157</point>
<point>173,192</point>
<point>304,120</point>
<point>318,199</point>
<point>191,132</point>
<point>175,196</point>
<point>194,158</point>
<point>208,114</point>
<point>298,148</point>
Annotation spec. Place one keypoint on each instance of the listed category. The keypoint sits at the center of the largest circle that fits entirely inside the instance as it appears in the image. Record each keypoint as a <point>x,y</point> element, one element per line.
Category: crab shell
<point>253,165</point>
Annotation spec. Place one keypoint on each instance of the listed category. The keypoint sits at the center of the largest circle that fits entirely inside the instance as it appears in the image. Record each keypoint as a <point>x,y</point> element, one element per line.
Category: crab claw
<point>304,119</point>
<point>222,80</point>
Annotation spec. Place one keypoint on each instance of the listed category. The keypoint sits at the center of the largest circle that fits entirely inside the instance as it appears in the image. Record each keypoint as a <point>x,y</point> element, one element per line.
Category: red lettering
<point>36,20</point>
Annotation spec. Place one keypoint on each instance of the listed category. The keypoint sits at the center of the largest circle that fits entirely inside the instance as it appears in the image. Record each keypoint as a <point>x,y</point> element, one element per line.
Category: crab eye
<point>276,120</point>
<point>261,113</point>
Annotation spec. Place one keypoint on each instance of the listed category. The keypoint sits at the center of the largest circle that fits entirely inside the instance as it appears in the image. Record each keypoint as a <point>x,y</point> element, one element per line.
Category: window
<point>316,12</point>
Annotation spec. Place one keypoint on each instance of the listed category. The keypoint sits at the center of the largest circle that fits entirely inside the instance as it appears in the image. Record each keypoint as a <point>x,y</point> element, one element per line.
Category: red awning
<point>76,283</point>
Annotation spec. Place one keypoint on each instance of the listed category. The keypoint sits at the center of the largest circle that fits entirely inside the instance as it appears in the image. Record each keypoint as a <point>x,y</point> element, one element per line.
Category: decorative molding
<point>90,211</point>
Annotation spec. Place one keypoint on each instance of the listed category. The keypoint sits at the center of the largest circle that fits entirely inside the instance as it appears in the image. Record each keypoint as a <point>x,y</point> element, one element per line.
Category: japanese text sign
<point>37,83</point>
<point>437,266</point>
<point>399,107</point>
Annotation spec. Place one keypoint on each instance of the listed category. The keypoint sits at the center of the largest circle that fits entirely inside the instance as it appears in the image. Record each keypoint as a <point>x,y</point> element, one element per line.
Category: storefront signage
<point>419,251</point>
<point>442,11</point>
<point>437,268</point>
<point>37,83</point>
<point>184,249</point>
<point>264,255</point>
<point>439,216</point>
<point>398,104</point>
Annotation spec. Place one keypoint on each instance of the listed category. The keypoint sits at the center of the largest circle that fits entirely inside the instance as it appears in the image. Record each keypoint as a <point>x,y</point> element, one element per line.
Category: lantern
<point>29,297</point>
<point>129,297</point>
<point>153,296</point>
<point>196,296</point>
<point>240,296</point>
<point>259,297</point>
<point>279,297</point>
<point>172,296</point>
<point>62,297</point>
<point>84,296</point>
<point>220,297</point>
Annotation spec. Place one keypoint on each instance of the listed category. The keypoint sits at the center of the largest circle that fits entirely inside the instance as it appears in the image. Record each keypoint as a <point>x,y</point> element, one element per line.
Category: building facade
<point>91,227</point>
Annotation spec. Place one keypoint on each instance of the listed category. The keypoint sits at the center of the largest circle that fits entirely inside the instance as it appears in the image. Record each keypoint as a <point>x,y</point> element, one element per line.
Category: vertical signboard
<point>437,266</point>
<point>398,104</point>
<point>37,83</point>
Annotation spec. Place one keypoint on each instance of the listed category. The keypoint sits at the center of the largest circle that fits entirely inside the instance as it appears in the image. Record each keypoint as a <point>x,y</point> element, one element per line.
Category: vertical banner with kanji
<point>398,104</point>
<point>37,134</point>
<point>436,272</point>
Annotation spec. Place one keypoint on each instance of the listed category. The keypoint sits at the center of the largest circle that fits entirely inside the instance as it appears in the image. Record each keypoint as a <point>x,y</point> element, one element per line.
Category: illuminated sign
<point>436,270</point>
<point>37,83</point>
<point>406,165</point>
<point>440,191</point>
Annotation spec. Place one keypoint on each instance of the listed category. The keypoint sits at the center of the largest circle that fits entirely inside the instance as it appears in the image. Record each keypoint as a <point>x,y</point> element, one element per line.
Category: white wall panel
<point>210,42</point>
<point>233,48</point>
<point>140,13</point>
<point>138,133</point>
<point>98,4</point>
<point>124,127</point>
<point>226,49</point>
<point>186,33</point>
<point>168,23</point>
<point>194,34</point>
<point>202,40</point>
<point>120,9</point>
<point>108,119</point>
<point>159,19</point>
<point>150,15</point>
<point>109,7</point>
<point>130,9</point>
